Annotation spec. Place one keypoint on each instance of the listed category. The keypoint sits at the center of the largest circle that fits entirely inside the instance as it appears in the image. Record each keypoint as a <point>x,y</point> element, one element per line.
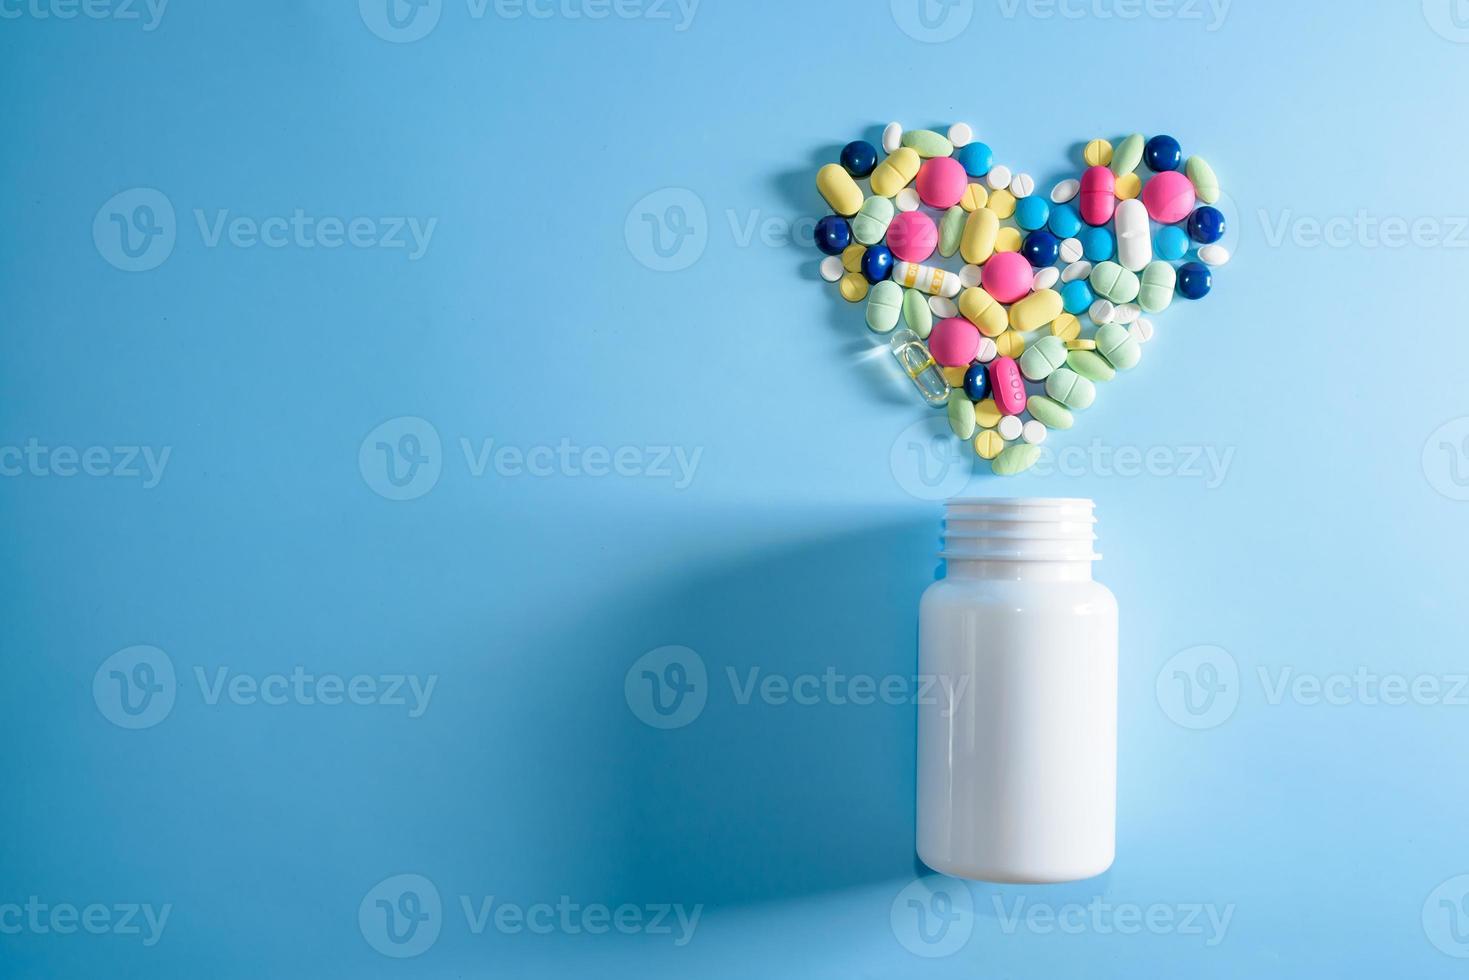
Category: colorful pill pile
<point>1050,298</point>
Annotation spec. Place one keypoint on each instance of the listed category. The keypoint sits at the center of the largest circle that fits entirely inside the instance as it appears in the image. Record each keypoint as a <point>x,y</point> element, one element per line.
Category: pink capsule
<point>1007,387</point>
<point>1098,195</point>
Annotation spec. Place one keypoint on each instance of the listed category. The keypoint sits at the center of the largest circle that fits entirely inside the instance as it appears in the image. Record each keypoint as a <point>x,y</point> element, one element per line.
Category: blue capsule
<point>1097,243</point>
<point>1064,222</point>
<point>1041,248</point>
<point>1195,280</point>
<point>859,157</point>
<point>1170,243</point>
<point>833,234</point>
<point>1076,296</point>
<point>877,263</point>
<point>1032,212</point>
<point>1206,225</point>
<point>976,158</point>
<point>977,383</point>
<point>1162,153</point>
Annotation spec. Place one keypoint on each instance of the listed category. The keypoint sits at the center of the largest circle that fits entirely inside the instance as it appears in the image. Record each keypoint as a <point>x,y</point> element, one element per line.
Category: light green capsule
<point>1206,185</point>
<point>961,414</point>
<point>1016,459</point>
<point>884,306</point>
<point>871,221</point>
<point>1118,345</point>
<point>1115,283</point>
<point>951,230</point>
<point>1155,291</point>
<point>1071,389</point>
<point>1042,357</point>
<point>1089,365</point>
<point>1127,155</point>
<point>927,143</point>
<point>916,313</point>
<point>1051,414</point>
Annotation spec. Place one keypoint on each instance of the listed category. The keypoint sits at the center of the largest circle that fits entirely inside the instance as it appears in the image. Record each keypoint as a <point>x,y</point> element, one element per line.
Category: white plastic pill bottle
<point>1017,742</point>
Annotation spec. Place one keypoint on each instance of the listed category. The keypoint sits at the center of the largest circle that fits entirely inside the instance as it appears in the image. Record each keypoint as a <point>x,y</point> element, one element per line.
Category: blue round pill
<point>977,383</point>
<point>877,263</point>
<point>1041,248</point>
<point>1171,243</point>
<point>1162,153</point>
<point>833,234</point>
<point>859,157</point>
<point>1195,280</point>
<point>1206,225</point>
<point>1097,244</point>
<point>1064,222</point>
<point>976,158</point>
<point>1076,296</point>
<point>1031,212</point>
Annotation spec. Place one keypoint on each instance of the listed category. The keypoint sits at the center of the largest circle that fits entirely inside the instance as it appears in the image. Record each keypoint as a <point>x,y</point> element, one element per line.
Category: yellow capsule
<point>987,413</point>
<point>983,310</point>
<point>852,257</point>
<point>988,444</point>
<point>839,189</point>
<point>1127,187</point>
<point>975,197</point>
<point>1066,327</point>
<point>896,172</point>
<point>977,243</point>
<point>1008,240</point>
<point>1078,344</point>
<point>1035,310</point>
<point>1010,344</point>
<point>853,287</point>
<point>1001,202</point>
<point>1098,153</point>
<point>954,376</point>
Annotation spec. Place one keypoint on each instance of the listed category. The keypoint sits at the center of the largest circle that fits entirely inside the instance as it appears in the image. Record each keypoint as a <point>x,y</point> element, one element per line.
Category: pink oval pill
<point>1098,196</point>
<point>954,342</point>
<point>1008,276</point>
<point>912,236</point>
<point>942,182</point>
<point>1007,387</point>
<point>1169,197</point>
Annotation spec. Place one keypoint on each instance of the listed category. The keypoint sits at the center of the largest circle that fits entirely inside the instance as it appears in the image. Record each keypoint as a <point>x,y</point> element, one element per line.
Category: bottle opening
<point>1019,529</point>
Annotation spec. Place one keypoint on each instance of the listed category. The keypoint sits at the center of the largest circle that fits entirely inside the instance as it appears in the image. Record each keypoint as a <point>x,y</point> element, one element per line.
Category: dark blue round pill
<point>1041,248</point>
<point>1206,225</point>
<point>833,234</point>
<point>977,382</point>
<point>1162,153</point>
<point>859,158</point>
<point>1195,280</point>
<point>877,263</point>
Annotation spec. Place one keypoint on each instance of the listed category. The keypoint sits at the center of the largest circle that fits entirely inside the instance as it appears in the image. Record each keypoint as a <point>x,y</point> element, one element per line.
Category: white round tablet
<point>1065,191</point>
<point>971,276</point>
<point>1046,278</point>
<point>1010,428</point>
<point>998,177</point>
<point>1127,313</point>
<point>942,307</point>
<point>1072,250</point>
<point>1141,330</point>
<point>1075,271</point>
<point>960,134</point>
<point>1102,311</point>
<point>831,268</point>
<point>892,137</point>
<point>987,351</point>
<point>1022,185</point>
<point>1033,432</point>
<point>1213,255</point>
<point>907,199</point>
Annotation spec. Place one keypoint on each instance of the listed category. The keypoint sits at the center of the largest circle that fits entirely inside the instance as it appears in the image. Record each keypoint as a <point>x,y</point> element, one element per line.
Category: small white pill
<point>1213,255</point>
<point>998,178</point>
<point>1072,250</point>
<point>1045,278</point>
<point>987,351</point>
<point>831,268</point>
<point>1102,312</point>
<point>1033,432</point>
<point>942,307</point>
<point>960,134</point>
<point>1010,428</point>
<point>907,199</point>
<point>1075,271</point>
<point>1022,185</point>
<point>1142,330</point>
<point>1065,191</point>
<point>971,276</point>
<point>892,137</point>
<point>1127,313</point>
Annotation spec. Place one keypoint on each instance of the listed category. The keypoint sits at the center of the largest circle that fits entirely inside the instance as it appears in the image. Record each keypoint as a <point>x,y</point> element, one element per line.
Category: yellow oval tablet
<point>1001,202</point>
<point>1098,153</point>
<point>1081,345</point>
<point>1008,240</point>
<point>987,413</point>
<point>852,257</point>
<point>1066,327</point>
<point>1035,310</point>
<point>977,243</point>
<point>983,310</point>
<point>853,287</point>
<point>989,444</point>
<point>896,172</point>
<point>954,376</point>
<point>1010,344</point>
<point>839,189</point>
<point>1127,187</point>
<point>975,197</point>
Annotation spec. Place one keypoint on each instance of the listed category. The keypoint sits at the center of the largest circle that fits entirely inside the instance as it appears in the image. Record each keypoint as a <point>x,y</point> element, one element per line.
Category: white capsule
<point>892,137</point>
<point>831,268</point>
<point>926,279</point>
<point>1213,255</point>
<point>907,199</point>
<point>1010,428</point>
<point>1045,278</point>
<point>1075,271</point>
<point>1065,191</point>
<point>1022,185</point>
<point>1072,250</point>
<point>942,307</point>
<point>1127,313</point>
<point>987,351</point>
<point>1134,235</point>
<point>971,276</point>
<point>1102,312</point>
<point>1141,330</point>
<point>998,178</point>
<point>960,134</point>
<point>1033,432</point>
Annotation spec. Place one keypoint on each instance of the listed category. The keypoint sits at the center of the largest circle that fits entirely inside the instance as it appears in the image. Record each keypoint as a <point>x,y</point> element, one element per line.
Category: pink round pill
<point>1169,197</point>
<point>912,236</point>
<point>954,342</point>
<point>942,182</point>
<point>1008,276</point>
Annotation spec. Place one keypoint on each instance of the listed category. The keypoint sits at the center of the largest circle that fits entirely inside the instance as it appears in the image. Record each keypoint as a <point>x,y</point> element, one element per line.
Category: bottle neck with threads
<point>1043,539</point>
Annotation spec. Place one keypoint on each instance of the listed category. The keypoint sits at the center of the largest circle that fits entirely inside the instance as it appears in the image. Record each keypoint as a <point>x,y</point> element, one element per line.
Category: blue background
<point>1331,542</point>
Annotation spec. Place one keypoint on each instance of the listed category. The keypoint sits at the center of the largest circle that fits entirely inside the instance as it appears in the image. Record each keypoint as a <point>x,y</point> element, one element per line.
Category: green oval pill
<point>1201,175</point>
<point>951,230</point>
<point>1089,365</point>
<point>1117,344</point>
<point>1155,290</point>
<point>927,143</point>
<point>884,306</point>
<point>1016,459</point>
<point>961,414</point>
<point>1115,283</point>
<point>917,313</point>
<point>1051,414</point>
<point>1071,389</point>
<point>872,219</point>
<point>1042,357</point>
<point>1127,155</point>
